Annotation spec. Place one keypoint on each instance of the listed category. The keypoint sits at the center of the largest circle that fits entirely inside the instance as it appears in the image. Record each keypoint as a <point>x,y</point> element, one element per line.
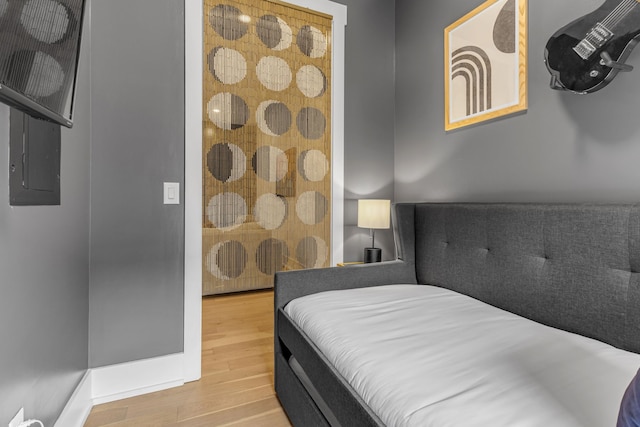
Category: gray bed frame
<point>571,266</point>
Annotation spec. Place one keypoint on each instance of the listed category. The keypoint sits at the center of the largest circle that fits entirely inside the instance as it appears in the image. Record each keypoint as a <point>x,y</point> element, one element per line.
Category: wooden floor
<point>236,388</point>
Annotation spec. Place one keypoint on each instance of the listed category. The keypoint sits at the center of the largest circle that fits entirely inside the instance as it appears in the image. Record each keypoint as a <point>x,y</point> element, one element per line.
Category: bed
<point>493,314</point>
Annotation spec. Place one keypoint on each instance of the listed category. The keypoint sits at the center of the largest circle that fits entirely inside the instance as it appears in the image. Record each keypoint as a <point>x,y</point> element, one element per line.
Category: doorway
<point>266,142</point>
<point>194,114</point>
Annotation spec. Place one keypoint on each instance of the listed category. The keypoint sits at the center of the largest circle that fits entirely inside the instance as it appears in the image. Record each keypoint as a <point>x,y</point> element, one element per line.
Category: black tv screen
<point>39,47</point>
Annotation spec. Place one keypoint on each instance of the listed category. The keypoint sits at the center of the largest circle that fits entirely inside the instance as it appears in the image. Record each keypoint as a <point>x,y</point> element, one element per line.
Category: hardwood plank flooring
<point>236,388</point>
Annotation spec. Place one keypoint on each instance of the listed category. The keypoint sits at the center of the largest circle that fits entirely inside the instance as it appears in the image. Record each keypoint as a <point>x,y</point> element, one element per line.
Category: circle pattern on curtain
<point>267,142</point>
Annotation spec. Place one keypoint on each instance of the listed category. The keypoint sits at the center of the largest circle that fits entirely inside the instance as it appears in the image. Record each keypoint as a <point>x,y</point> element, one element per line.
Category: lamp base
<point>372,255</point>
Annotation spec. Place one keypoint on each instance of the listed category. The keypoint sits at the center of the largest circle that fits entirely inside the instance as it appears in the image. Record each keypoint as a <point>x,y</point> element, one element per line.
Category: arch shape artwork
<point>474,65</point>
<point>487,79</point>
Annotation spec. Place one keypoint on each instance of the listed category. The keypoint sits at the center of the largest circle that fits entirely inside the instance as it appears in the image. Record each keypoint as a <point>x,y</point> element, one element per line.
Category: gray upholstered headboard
<point>575,267</point>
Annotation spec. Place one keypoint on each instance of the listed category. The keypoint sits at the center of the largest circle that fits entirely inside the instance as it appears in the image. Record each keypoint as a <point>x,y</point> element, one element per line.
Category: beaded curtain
<point>266,142</point>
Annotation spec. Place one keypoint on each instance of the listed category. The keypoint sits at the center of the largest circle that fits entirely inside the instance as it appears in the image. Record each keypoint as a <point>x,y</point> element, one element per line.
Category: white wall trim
<point>130,379</point>
<point>77,409</point>
<point>193,165</point>
<point>115,382</point>
<point>193,189</point>
<point>339,13</point>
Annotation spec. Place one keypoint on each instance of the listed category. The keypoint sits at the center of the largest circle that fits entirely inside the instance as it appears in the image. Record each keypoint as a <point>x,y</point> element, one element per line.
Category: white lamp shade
<point>374,213</point>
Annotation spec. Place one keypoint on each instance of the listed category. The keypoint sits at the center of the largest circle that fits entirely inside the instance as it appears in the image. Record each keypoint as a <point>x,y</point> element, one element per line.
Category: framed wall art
<point>485,64</point>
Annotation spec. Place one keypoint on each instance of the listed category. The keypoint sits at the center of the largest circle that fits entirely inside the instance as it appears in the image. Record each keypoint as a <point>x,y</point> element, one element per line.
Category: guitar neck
<point>602,31</point>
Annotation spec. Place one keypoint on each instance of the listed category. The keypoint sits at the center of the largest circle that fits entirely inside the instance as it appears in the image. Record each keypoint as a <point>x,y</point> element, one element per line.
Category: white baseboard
<point>77,410</point>
<point>115,382</point>
<point>130,379</point>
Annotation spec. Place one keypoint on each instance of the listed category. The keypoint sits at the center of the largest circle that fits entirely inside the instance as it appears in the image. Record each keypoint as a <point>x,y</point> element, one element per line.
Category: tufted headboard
<point>574,267</point>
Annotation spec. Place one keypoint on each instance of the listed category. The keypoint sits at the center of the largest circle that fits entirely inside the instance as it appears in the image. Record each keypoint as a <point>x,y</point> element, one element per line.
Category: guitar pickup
<point>601,34</point>
<point>594,40</point>
<point>584,49</point>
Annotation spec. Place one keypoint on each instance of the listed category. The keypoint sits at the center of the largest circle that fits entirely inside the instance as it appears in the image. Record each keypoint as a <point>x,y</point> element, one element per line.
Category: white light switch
<point>171,193</point>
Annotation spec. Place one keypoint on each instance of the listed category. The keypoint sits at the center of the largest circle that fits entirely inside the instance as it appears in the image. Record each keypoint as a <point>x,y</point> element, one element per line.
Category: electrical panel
<point>34,161</point>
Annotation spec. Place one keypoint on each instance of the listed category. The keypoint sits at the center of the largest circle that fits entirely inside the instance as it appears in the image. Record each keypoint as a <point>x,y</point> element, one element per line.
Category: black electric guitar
<point>585,55</point>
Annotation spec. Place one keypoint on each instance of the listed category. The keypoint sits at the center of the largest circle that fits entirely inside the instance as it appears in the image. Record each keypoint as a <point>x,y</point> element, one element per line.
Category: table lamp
<point>373,214</point>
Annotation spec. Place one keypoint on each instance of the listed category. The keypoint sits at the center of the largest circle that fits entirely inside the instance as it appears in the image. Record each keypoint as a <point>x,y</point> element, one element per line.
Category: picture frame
<point>485,64</point>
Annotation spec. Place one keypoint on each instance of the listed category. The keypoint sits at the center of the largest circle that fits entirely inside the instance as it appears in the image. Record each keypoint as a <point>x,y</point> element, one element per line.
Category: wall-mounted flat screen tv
<point>39,48</point>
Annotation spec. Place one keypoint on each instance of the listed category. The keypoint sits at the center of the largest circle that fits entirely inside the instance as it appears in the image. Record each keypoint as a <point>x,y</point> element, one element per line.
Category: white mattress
<point>425,356</point>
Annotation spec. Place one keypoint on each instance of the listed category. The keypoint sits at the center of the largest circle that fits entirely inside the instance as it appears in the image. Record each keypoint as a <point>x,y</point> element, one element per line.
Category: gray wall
<point>136,262</point>
<point>369,118</point>
<point>566,147</point>
<point>125,301</point>
<point>137,137</point>
<point>44,278</point>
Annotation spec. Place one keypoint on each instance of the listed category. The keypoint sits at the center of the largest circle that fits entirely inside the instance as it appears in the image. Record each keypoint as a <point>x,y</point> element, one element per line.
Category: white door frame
<point>193,164</point>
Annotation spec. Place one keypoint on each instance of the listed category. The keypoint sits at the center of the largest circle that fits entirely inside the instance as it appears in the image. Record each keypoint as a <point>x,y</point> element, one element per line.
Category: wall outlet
<point>18,419</point>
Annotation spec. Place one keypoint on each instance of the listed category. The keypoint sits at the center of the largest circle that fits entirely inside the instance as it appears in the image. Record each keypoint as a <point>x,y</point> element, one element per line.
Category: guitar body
<point>589,70</point>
